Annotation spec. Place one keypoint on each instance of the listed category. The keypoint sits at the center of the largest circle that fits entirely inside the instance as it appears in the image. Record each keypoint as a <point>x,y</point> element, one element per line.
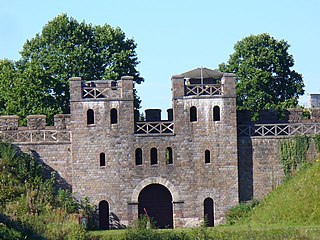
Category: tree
<point>265,79</point>
<point>65,48</point>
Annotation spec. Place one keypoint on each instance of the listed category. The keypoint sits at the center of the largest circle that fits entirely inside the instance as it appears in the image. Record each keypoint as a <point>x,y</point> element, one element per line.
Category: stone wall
<point>260,169</point>
<point>51,145</point>
<point>9,123</point>
<point>55,157</point>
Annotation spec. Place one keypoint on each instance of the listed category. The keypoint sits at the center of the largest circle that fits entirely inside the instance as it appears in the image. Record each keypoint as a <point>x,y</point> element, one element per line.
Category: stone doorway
<point>209,212</point>
<point>156,201</point>
<point>104,215</point>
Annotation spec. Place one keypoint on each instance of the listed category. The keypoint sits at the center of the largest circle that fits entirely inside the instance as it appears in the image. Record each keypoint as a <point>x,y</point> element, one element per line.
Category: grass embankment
<point>296,202</point>
<point>216,233</point>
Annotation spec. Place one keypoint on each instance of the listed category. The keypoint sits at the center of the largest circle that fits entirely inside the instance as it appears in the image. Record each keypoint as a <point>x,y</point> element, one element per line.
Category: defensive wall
<point>260,169</point>
<point>204,157</point>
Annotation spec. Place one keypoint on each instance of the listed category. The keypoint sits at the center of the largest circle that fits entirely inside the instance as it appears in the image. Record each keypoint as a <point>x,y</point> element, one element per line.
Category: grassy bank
<point>294,203</point>
<point>219,233</point>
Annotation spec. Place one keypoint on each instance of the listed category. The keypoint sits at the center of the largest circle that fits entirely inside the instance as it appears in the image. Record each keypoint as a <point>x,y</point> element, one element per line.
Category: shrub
<point>240,211</point>
<point>7,233</point>
<point>141,229</point>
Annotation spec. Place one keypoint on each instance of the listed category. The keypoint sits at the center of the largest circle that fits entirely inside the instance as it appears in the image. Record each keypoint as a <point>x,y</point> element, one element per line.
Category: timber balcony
<point>149,128</point>
<point>277,130</point>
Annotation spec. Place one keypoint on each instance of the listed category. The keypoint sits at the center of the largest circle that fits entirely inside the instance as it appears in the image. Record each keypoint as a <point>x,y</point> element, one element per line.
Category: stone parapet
<point>36,122</point>
<point>9,123</point>
<point>229,84</point>
<point>315,114</point>
<point>62,121</point>
<point>153,115</point>
<point>295,115</point>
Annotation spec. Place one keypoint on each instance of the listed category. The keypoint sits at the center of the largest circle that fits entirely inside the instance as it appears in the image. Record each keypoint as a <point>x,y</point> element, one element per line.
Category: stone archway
<point>156,201</point>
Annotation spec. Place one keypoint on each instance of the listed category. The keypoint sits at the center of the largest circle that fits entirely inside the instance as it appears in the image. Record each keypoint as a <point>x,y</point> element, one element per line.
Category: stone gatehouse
<point>192,166</point>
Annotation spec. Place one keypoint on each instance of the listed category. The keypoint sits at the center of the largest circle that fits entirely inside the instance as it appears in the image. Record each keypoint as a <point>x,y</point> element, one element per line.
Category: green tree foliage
<point>265,78</point>
<point>38,82</point>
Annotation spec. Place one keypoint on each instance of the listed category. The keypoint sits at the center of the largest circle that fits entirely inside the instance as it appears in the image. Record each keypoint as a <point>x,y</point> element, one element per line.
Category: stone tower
<point>178,171</point>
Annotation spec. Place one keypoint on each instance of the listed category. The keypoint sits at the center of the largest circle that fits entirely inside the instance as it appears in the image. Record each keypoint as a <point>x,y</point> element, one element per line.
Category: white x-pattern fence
<point>94,92</point>
<point>203,89</point>
<point>288,129</point>
<point>36,136</point>
<point>154,128</point>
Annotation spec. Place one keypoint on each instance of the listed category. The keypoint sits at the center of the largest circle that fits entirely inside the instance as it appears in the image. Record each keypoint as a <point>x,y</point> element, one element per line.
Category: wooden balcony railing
<point>36,136</point>
<point>94,92</point>
<point>154,128</point>
<point>203,90</point>
<point>288,129</point>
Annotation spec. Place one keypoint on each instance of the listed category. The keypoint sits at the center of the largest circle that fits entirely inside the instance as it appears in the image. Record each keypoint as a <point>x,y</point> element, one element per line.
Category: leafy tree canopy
<point>38,82</point>
<point>265,78</point>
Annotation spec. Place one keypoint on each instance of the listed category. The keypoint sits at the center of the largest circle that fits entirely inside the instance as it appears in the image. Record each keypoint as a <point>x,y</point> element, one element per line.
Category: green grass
<point>221,233</point>
<point>110,234</point>
<point>296,202</point>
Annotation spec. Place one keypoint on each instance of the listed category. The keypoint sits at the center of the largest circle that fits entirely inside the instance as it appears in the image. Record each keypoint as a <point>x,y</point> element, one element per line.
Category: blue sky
<point>177,36</point>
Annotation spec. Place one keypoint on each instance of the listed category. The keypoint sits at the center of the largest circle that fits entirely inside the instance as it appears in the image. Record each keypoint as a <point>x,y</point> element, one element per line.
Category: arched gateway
<point>156,201</point>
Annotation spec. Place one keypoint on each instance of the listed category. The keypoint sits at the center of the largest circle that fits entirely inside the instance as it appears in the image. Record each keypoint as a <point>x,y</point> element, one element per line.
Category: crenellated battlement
<point>101,89</point>
<point>197,83</point>
<point>269,116</point>
<point>36,130</point>
<point>9,123</point>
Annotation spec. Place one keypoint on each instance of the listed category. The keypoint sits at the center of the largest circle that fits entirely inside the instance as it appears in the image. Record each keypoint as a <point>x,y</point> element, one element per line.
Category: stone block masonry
<point>120,178</point>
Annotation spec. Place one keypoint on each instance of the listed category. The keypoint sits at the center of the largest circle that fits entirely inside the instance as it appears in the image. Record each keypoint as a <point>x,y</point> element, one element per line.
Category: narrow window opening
<point>90,116</point>
<point>102,160</point>
<point>169,157</point>
<point>138,156</point>
<point>154,156</point>
<point>216,113</point>
<point>113,116</point>
<point>193,114</point>
<point>207,156</point>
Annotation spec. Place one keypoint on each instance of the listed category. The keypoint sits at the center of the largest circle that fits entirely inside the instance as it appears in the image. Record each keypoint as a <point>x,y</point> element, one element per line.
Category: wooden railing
<point>94,92</point>
<point>288,129</point>
<point>154,128</point>
<point>203,89</point>
<point>36,136</point>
